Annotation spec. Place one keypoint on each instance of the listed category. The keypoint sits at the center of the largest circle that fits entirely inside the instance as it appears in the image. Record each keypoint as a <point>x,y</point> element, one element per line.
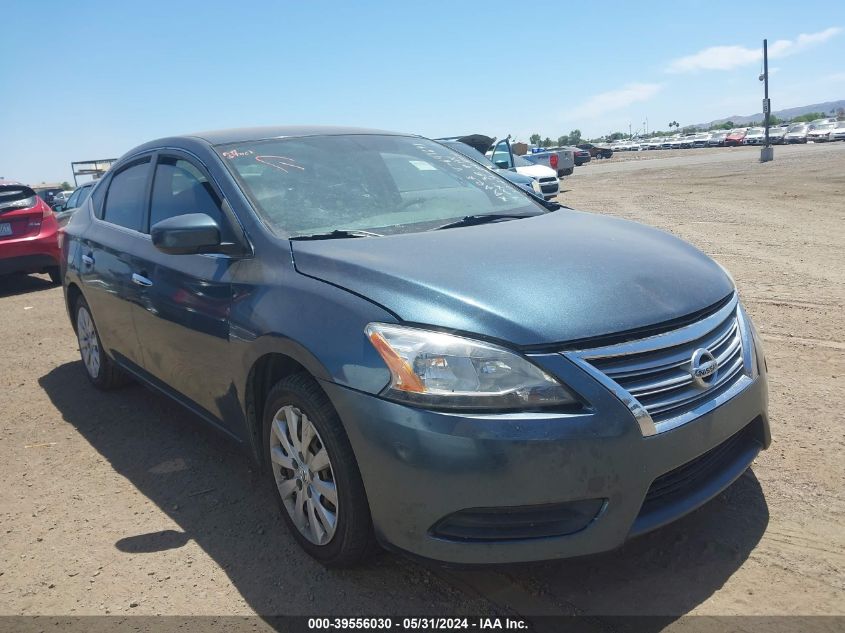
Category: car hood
<point>517,179</point>
<point>537,171</point>
<point>549,279</point>
<point>478,141</point>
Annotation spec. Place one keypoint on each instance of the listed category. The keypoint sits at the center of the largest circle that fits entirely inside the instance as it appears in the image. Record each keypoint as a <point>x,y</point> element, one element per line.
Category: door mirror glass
<point>186,234</point>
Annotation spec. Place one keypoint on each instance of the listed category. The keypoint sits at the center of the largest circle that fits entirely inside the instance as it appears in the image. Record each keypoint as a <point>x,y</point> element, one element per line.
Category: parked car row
<point>561,159</point>
<point>817,131</point>
<point>499,156</point>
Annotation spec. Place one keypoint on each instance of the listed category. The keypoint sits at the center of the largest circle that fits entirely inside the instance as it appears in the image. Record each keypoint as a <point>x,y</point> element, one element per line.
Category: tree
<point>616,136</point>
<point>66,185</point>
<point>547,142</point>
<point>674,124</point>
<point>562,140</point>
<point>575,137</point>
<point>810,116</point>
<point>534,138</point>
<point>690,129</point>
<point>727,125</point>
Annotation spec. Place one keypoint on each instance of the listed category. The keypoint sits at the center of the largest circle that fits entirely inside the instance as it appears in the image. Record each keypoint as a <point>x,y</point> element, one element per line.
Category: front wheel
<point>55,275</point>
<point>315,474</point>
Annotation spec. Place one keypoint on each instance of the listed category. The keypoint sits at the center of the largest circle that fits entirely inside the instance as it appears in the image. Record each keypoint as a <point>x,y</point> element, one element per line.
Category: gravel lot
<point>123,503</point>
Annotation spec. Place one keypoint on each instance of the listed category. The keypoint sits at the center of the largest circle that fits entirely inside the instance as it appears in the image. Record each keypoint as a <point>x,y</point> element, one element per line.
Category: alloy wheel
<point>89,344</point>
<point>303,474</point>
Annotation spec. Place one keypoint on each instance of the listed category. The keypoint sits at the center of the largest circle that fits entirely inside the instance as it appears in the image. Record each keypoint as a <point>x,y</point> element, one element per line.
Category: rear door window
<point>83,195</point>
<point>125,198</point>
<point>74,199</point>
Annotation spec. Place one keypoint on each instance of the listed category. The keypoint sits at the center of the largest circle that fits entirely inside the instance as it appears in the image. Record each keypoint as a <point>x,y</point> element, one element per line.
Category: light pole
<point>767,153</point>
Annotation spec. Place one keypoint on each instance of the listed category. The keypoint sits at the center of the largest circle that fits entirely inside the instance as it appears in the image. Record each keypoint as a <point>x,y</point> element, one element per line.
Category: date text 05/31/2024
<point>421,624</point>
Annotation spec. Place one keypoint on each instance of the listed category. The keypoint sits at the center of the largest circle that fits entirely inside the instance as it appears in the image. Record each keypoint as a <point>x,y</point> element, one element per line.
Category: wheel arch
<point>265,372</point>
<point>72,295</point>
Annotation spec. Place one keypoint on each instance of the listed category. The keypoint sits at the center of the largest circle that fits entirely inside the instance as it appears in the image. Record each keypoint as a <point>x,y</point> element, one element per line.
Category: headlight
<point>444,371</point>
<point>536,187</point>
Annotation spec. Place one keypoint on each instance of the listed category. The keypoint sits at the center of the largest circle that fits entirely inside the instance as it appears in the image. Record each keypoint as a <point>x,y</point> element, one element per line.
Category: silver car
<point>797,133</point>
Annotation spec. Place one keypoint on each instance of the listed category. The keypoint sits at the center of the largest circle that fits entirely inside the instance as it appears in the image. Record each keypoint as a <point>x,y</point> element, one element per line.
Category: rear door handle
<point>140,280</point>
<point>87,260</point>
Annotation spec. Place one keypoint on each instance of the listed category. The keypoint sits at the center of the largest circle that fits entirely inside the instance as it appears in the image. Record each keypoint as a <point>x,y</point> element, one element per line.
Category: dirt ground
<point>123,503</point>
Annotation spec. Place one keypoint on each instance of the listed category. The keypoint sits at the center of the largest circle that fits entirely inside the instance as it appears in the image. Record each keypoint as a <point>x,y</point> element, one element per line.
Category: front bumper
<point>420,466</point>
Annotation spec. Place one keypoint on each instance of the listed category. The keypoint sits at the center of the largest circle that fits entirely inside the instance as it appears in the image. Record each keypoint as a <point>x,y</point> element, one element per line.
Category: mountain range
<point>828,107</point>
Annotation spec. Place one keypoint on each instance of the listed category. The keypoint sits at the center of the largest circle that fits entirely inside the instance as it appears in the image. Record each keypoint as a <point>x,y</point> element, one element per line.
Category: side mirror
<point>59,207</point>
<point>503,164</point>
<point>186,234</point>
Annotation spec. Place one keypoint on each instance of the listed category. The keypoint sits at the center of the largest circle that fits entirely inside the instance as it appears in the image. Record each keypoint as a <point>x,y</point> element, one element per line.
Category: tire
<point>293,404</point>
<point>55,275</point>
<point>100,369</point>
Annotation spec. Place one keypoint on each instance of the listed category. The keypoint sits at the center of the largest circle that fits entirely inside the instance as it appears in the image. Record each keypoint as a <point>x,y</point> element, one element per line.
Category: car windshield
<point>825,126</point>
<point>797,128</point>
<point>388,184</point>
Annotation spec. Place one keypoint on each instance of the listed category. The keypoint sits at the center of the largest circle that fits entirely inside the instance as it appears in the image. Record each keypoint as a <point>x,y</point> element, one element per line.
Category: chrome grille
<point>653,376</point>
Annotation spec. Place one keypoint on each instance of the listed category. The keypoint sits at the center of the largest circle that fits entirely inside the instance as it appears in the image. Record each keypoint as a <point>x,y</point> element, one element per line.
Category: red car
<point>736,137</point>
<point>28,233</point>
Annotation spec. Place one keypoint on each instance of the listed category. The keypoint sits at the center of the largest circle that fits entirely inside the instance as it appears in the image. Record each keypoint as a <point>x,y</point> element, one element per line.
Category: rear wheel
<point>314,472</point>
<point>101,370</point>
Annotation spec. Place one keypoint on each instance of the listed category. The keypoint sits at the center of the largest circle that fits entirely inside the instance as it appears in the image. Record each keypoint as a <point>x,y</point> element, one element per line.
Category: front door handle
<point>140,280</point>
<point>87,260</point>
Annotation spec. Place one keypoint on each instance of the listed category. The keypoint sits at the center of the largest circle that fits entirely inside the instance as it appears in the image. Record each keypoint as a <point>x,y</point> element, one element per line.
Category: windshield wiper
<point>337,234</point>
<point>484,218</point>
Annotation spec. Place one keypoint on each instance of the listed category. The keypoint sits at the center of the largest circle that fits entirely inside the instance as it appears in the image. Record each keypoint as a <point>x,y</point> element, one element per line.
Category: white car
<point>701,139</point>
<point>504,158</point>
<point>838,132</point>
<point>821,132</point>
<point>777,135</point>
<point>755,136</point>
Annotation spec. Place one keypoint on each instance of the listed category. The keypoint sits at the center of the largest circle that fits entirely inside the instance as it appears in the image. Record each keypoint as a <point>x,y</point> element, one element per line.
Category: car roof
<point>234,135</point>
<point>249,134</point>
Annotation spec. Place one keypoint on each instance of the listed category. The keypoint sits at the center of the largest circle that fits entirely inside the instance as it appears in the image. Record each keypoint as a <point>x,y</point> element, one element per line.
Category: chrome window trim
<point>686,334</point>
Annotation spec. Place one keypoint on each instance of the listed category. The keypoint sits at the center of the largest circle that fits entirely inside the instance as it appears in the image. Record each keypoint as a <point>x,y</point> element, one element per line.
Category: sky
<point>91,79</point>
